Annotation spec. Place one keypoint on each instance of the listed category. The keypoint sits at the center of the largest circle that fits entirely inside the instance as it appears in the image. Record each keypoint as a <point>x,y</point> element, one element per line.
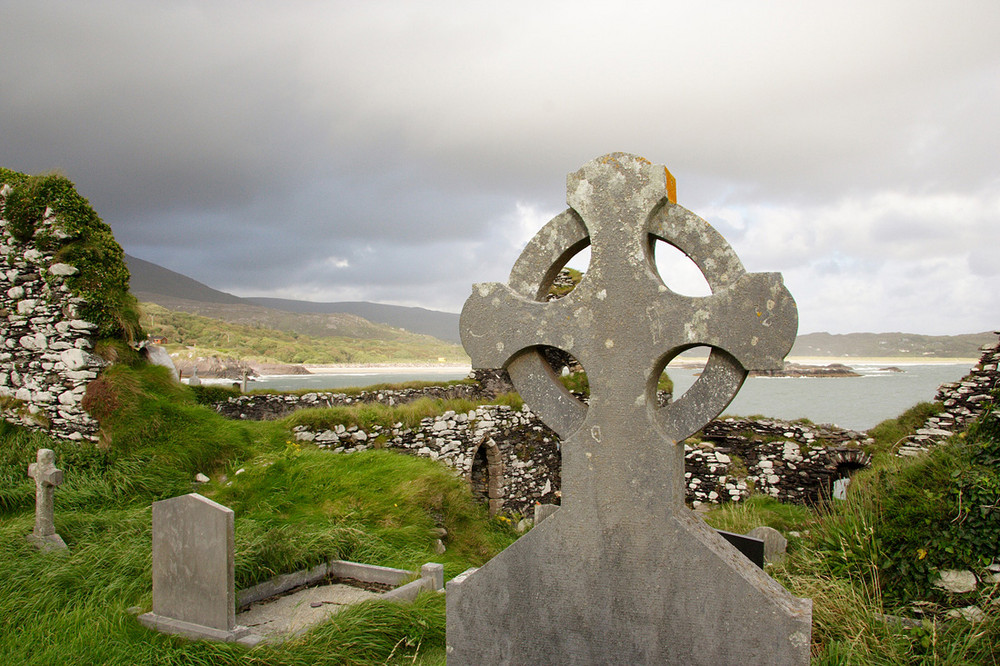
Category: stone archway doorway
<point>486,476</point>
<point>848,463</point>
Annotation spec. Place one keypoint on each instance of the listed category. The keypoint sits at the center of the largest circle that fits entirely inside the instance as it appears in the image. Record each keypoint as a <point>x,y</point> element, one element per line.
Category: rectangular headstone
<point>193,570</point>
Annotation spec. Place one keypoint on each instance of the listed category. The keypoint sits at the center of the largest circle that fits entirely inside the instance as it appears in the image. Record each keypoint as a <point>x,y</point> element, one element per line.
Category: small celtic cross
<point>46,477</point>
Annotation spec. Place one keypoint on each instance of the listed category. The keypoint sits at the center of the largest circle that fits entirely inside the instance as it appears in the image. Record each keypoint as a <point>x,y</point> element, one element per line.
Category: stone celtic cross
<point>46,477</point>
<point>624,572</point>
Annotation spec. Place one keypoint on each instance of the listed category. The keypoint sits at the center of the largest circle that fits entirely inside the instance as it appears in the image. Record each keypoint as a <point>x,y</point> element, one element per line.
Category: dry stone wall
<point>963,402</point>
<point>791,461</point>
<point>45,347</point>
<point>511,459</point>
<point>268,406</point>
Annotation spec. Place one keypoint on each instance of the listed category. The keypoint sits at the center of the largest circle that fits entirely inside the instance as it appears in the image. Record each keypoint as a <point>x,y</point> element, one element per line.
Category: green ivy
<point>942,512</point>
<point>82,241</point>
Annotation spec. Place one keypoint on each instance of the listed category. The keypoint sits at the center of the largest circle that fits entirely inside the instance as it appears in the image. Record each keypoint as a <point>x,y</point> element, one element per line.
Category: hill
<point>209,335</point>
<point>152,283</point>
<point>442,325</point>
<point>891,344</point>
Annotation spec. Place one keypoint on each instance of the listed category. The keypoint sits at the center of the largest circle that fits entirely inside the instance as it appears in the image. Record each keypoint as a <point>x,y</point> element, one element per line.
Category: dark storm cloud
<point>399,151</point>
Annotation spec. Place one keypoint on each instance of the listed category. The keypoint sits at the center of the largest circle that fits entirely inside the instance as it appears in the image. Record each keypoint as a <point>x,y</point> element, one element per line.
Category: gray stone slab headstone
<point>624,572</point>
<point>193,570</point>
<point>775,543</point>
<point>46,477</point>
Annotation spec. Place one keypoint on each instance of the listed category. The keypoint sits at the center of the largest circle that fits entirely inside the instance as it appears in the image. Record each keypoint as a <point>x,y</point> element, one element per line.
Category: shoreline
<point>683,361</point>
<point>859,360</point>
<point>346,369</point>
<point>342,369</point>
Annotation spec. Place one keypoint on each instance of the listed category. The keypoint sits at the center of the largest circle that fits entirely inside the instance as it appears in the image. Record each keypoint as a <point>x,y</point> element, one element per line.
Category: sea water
<point>858,403</point>
<point>850,402</point>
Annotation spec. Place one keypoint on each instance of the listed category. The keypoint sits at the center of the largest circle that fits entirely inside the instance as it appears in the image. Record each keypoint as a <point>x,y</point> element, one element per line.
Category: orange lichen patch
<point>671,186</point>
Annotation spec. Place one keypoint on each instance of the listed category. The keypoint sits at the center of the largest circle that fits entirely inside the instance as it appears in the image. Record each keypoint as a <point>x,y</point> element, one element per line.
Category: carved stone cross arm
<point>622,323</point>
<point>44,471</point>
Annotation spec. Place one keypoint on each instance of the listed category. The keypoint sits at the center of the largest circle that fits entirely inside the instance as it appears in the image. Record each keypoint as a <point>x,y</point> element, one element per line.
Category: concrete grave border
<point>431,578</point>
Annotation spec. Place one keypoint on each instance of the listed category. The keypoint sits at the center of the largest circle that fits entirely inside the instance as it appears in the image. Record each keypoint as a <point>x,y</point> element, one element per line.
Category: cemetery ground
<point>865,562</point>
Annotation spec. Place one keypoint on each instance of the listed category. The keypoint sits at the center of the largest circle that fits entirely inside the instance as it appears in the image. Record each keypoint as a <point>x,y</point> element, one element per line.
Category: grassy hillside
<point>442,325</point>
<point>257,342</point>
<point>156,284</point>
<point>891,344</point>
<point>314,325</point>
<point>865,562</point>
<point>873,559</point>
<point>295,507</point>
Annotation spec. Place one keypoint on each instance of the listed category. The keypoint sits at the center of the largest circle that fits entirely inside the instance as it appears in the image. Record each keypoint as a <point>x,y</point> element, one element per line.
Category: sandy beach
<point>436,368</point>
<point>875,360</point>
<point>856,360</point>
<point>337,369</point>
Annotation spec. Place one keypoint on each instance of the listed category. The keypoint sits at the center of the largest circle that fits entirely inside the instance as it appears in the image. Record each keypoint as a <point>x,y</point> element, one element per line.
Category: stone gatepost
<point>623,572</point>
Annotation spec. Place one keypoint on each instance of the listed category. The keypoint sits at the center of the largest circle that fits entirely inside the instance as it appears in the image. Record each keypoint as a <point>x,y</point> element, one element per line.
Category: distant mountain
<point>441,325</point>
<point>891,344</point>
<point>155,284</point>
<point>150,278</point>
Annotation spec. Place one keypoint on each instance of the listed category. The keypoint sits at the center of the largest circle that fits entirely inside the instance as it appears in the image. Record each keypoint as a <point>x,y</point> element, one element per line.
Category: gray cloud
<point>397,151</point>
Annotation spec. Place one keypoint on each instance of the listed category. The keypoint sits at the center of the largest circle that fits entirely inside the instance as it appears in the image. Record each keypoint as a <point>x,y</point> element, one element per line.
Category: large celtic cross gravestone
<point>623,572</point>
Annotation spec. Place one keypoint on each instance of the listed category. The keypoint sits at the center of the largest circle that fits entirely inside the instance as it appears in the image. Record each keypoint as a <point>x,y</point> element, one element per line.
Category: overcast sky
<point>399,151</point>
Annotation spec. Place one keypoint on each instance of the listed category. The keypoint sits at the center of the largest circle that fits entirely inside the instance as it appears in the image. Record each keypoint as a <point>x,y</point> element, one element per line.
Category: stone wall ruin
<point>45,347</point>
<point>793,462</point>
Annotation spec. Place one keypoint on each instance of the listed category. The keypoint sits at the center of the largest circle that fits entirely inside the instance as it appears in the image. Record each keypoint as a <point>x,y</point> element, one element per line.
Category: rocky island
<point>799,370</point>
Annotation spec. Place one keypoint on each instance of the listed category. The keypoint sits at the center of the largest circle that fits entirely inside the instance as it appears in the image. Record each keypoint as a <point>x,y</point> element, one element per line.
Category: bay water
<point>858,403</point>
<point>850,402</point>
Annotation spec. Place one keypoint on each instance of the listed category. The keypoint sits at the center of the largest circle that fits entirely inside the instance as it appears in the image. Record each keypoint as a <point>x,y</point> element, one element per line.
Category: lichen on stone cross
<point>624,325</point>
<point>623,572</point>
<point>46,477</point>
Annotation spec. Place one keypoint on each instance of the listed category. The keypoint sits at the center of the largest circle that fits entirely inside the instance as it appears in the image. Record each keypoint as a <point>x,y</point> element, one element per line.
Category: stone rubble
<point>963,403</point>
<point>45,348</point>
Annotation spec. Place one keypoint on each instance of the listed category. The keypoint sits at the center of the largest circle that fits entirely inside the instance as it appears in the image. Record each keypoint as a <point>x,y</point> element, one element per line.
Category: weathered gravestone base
<point>193,570</point>
<point>623,572</point>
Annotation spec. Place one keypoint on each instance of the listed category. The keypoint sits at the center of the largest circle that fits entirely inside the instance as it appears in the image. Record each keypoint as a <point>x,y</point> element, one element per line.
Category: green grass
<point>889,434</point>
<point>295,507</point>
<point>758,510</point>
<point>195,335</point>
<point>577,382</point>
<point>859,561</point>
<point>877,554</point>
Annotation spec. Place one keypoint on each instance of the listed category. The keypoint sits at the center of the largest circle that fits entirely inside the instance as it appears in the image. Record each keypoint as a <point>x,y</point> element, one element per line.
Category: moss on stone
<point>77,237</point>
